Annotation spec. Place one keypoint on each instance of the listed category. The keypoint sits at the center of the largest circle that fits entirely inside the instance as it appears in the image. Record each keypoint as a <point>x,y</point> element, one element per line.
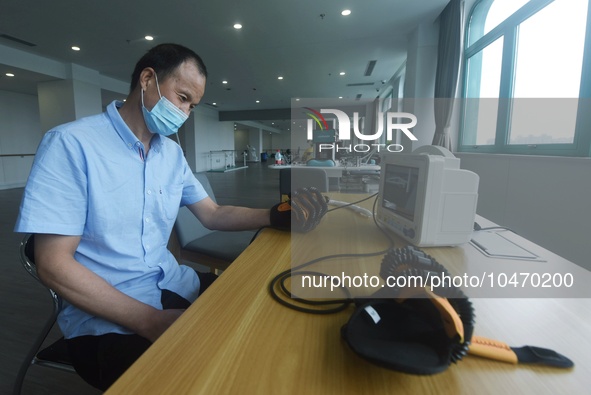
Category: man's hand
<point>160,322</point>
<point>302,212</point>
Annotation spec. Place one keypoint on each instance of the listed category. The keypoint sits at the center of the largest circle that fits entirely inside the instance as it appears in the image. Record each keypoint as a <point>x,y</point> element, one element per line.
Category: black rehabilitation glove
<point>302,212</point>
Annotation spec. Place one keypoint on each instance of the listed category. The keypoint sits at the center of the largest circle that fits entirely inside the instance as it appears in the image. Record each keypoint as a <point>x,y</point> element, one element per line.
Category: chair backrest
<point>27,255</point>
<point>55,355</point>
<point>293,178</point>
<point>187,227</point>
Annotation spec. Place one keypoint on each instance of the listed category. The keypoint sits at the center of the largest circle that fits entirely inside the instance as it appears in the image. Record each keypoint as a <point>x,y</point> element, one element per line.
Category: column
<point>419,83</point>
<point>62,101</point>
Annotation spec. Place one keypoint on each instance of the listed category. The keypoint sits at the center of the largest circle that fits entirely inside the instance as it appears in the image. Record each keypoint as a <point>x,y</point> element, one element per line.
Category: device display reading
<point>400,190</point>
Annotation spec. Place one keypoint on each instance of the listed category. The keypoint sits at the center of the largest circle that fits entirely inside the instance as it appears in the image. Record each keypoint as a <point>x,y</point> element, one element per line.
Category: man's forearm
<point>229,218</point>
<point>241,218</point>
<point>89,292</point>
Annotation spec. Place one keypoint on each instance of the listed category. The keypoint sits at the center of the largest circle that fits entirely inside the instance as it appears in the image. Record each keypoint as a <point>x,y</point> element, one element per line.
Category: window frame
<point>508,30</point>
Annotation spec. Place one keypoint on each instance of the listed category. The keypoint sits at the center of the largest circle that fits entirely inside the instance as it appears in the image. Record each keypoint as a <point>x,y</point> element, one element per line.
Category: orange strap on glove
<point>302,212</point>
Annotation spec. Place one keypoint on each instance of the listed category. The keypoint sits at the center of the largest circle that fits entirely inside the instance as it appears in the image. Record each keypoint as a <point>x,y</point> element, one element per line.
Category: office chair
<point>291,179</point>
<point>56,355</point>
<point>212,248</point>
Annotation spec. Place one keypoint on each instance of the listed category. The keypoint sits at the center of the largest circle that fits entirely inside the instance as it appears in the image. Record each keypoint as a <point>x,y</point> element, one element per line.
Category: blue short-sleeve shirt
<point>91,178</point>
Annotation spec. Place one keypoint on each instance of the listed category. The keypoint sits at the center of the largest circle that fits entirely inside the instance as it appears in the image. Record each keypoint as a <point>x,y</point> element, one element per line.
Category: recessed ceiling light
<point>346,12</point>
<point>214,103</point>
<point>280,78</point>
<point>9,75</point>
<point>224,82</point>
<point>237,26</point>
<point>340,97</point>
<point>298,99</point>
<point>75,48</point>
<point>342,73</point>
<point>258,101</point>
<point>149,38</point>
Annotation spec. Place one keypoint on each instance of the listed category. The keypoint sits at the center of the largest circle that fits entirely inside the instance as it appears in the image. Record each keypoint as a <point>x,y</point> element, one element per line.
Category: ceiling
<point>307,42</point>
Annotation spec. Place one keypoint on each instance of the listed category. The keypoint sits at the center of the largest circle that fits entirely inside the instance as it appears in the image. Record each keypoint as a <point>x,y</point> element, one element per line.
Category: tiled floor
<point>25,304</point>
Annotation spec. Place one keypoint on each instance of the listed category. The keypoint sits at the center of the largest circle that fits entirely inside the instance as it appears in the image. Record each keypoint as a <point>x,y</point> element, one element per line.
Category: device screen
<point>400,190</point>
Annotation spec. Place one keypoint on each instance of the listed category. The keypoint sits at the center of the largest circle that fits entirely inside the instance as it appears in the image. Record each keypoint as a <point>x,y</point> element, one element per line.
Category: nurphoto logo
<point>394,121</point>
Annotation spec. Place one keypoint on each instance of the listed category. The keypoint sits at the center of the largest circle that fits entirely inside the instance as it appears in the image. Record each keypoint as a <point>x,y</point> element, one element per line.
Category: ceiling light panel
<point>370,66</point>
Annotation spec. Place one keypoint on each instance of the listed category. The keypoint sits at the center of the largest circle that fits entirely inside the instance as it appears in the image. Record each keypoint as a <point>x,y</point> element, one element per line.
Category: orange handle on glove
<point>492,349</point>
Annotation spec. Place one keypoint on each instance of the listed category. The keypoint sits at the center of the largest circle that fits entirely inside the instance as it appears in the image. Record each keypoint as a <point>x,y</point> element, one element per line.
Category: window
<point>527,78</point>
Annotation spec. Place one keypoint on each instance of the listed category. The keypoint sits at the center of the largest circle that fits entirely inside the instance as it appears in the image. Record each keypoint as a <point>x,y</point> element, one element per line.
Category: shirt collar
<point>125,132</point>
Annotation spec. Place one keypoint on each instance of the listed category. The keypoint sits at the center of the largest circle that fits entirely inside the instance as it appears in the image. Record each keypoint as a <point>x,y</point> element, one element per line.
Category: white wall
<point>281,140</point>
<point>274,141</point>
<point>240,140</point>
<point>207,134</point>
<point>544,199</point>
<point>267,143</point>
<point>20,133</point>
<point>56,103</point>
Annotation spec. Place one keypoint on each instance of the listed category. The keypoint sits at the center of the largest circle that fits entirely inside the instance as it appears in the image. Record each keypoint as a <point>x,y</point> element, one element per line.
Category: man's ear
<point>146,76</point>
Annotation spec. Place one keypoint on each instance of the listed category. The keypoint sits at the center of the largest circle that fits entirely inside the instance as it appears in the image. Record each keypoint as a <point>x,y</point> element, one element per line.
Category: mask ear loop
<point>143,98</point>
<point>157,85</point>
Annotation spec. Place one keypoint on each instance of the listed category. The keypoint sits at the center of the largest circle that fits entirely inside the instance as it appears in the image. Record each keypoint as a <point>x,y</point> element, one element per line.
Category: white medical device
<point>426,198</point>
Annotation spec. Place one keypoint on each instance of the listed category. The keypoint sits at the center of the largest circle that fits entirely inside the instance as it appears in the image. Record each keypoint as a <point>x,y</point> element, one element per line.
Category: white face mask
<point>165,118</point>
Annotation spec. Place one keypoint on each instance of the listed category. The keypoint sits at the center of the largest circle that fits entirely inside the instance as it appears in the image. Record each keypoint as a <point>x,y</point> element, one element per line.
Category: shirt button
<point>149,192</point>
<point>147,219</point>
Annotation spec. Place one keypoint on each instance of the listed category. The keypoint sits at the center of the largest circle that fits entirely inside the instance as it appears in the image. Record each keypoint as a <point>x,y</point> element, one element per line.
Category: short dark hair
<point>164,59</point>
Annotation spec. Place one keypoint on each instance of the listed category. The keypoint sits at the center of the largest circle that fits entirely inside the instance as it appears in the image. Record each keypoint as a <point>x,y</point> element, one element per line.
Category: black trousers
<point>100,360</point>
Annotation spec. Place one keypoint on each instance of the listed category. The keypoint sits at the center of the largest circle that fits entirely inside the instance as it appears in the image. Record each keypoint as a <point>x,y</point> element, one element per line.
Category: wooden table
<point>235,339</point>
